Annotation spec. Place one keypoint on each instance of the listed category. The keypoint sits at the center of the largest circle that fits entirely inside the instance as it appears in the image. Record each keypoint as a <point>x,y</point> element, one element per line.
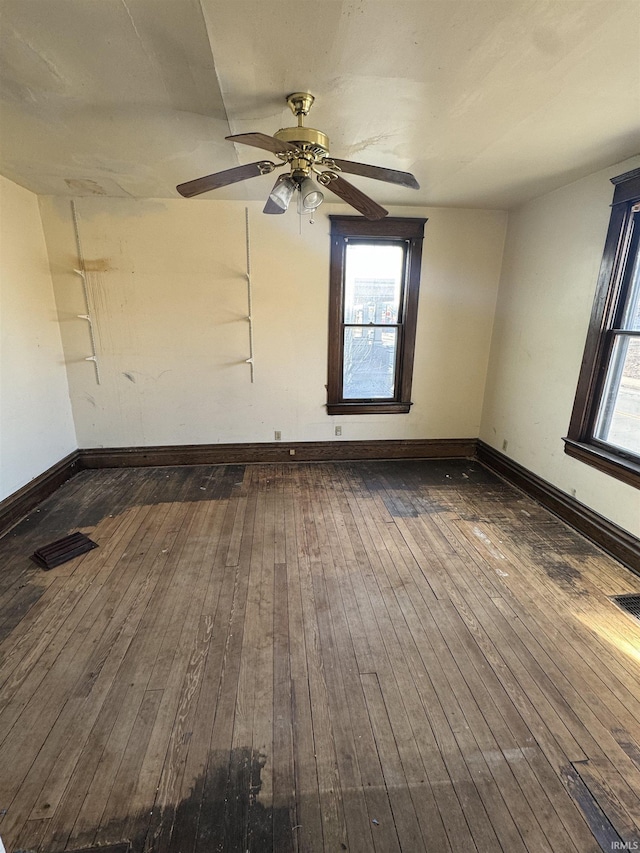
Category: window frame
<point>409,230</point>
<point>614,282</point>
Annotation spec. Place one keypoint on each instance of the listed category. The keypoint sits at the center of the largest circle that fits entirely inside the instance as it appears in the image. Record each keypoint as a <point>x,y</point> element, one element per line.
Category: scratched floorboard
<point>400,656</point>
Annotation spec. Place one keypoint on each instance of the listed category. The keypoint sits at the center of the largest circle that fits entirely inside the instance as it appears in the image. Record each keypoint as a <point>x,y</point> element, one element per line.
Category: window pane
<point>618,420</point>
<point>373,282</point>
<point>369,363</point>
<point>631,317</point>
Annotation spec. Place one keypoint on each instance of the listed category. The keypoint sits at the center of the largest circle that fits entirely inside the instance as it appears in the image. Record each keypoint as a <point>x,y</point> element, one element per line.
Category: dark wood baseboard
<point>613,539</point>
<point>20,503</point>
<point>278,451</point>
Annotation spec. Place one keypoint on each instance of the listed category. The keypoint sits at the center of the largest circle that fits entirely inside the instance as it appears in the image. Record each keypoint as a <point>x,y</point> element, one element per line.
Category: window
<point>605,424</point>
<point>373,306</point>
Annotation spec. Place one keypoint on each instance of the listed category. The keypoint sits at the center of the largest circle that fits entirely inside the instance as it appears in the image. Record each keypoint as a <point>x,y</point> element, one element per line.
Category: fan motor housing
<point>316,140</point>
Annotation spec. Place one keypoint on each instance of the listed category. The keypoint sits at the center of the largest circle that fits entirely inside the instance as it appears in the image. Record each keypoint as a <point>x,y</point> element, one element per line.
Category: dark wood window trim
<point>613,278</point>
<point>411,231</point>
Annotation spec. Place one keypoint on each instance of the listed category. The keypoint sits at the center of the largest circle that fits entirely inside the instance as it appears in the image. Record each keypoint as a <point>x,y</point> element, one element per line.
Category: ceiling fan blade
<point>271,206</point>
<point>261,140</point>
<point>355,197</point>
<point>223,179</point>
<point>392,176</point>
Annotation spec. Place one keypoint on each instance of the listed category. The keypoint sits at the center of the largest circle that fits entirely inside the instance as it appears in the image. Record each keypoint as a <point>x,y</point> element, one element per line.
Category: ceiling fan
<point>306,152</point>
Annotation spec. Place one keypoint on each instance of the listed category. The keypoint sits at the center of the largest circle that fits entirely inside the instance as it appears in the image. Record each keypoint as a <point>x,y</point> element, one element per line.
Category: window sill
<point>364,408</point>
<point>605,461</point>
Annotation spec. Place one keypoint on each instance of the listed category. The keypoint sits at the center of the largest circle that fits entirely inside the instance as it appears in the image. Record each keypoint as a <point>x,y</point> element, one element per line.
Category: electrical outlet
<point>338,430</point>
<point>277,435</point>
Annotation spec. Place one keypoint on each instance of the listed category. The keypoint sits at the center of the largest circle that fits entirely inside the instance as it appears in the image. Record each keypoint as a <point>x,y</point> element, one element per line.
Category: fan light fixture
<point>283,192</point>
<point>310,196</point>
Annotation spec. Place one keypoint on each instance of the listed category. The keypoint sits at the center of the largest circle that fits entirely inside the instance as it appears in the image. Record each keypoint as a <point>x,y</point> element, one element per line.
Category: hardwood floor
<point>388,656</point>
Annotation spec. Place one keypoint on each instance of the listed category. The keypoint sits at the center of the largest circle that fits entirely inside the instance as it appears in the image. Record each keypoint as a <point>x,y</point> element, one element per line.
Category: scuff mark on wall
<point>131,374</point>
<point>98,265</point>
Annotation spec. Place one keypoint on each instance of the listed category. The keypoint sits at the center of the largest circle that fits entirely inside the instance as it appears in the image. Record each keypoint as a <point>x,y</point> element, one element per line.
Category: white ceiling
<point>487,103</point>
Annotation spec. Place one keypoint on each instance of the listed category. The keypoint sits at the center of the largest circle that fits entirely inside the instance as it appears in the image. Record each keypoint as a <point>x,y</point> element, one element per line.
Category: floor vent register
<point>58,552</point>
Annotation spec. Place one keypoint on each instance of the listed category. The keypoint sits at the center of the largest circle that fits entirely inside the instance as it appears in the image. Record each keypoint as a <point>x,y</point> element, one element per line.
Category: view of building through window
<point>372,302</point>
<point>374,283</point>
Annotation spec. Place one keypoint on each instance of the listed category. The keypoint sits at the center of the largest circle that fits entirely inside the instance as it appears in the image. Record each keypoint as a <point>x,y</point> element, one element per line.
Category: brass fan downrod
<point>300,103</point>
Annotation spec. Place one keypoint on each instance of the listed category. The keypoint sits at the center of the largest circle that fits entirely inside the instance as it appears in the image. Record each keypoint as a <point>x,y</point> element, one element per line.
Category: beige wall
<point>169,298</point>
<point>36,426</point>
<point>168,291</point>
<point>551,262</point>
